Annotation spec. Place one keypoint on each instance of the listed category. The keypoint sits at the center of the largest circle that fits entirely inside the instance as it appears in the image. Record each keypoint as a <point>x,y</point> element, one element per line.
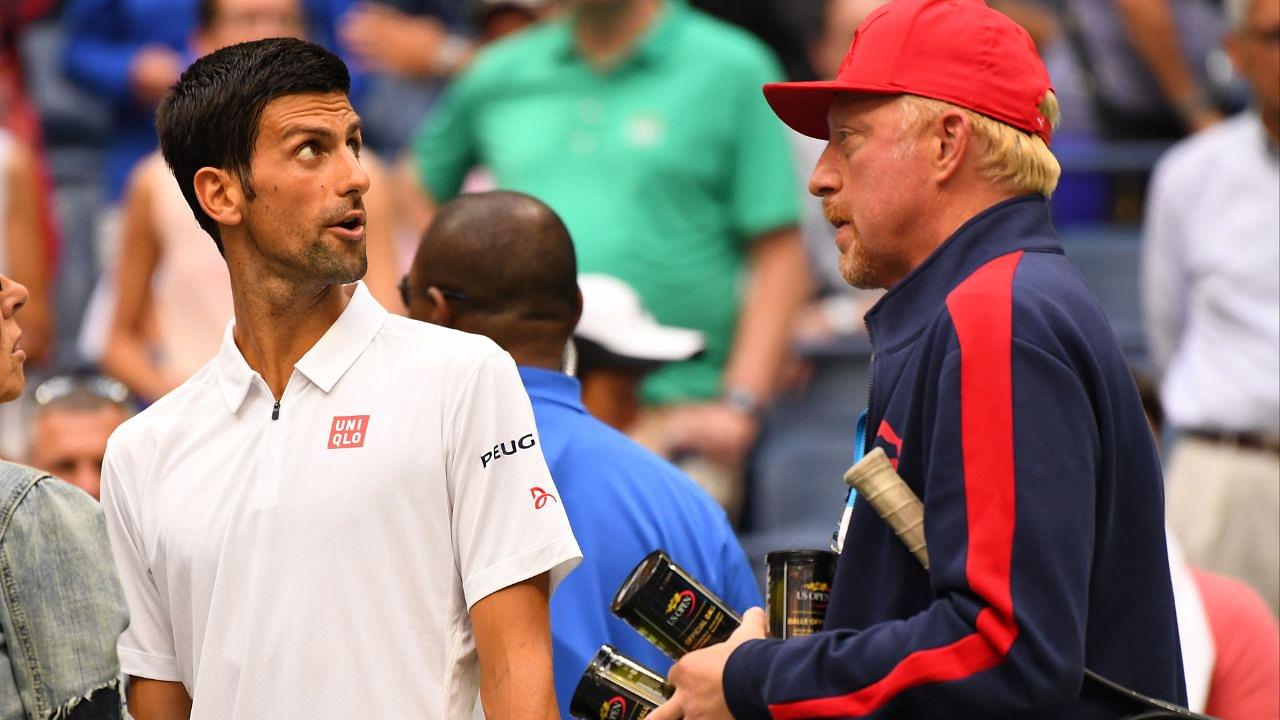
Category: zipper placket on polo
<point>267,488</point>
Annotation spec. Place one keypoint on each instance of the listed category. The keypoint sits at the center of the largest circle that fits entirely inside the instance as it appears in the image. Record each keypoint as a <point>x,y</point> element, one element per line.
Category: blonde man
<point>999,395</point>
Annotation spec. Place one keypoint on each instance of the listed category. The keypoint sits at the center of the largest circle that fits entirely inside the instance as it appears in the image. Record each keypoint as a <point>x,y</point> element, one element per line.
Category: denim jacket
<point>61,605</point>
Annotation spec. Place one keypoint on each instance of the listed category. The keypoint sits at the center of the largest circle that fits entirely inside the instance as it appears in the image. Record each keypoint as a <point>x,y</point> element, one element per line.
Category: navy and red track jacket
<point>999,391</point>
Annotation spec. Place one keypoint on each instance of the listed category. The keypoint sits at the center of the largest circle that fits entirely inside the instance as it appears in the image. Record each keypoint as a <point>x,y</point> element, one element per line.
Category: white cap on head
<point>614,318</point>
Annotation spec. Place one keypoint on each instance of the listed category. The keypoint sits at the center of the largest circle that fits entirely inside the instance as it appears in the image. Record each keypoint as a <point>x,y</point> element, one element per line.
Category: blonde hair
<point>1017,160</point>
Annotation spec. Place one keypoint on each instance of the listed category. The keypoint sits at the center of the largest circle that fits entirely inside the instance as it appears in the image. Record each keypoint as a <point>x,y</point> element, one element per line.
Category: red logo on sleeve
<point>540,497</point>
<point>348,431</point>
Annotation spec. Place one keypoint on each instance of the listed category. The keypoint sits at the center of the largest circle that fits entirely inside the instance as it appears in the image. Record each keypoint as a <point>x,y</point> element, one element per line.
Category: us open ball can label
<point>799,589</point>
<point>615,687</point>
<point>671,609</point>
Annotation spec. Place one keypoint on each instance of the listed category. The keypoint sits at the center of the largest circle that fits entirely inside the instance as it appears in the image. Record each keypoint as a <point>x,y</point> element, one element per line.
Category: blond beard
<point>856,268</point>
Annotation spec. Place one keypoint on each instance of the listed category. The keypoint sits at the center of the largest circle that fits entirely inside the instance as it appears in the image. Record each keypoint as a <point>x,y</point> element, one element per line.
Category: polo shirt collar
<point>1021,223</point>
<point>324,364</point>
<point>656,41</point>
<point>552,386</point>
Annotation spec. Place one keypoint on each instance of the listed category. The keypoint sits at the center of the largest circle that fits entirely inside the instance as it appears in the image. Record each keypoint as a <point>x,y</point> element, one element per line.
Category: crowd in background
<point>675,178</point>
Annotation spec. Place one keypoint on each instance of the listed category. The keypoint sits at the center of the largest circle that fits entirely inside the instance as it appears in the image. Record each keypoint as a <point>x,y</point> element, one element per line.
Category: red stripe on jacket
<point>981,311</point>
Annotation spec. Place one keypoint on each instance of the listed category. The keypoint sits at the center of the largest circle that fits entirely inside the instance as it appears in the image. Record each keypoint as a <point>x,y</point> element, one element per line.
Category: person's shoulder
<point>721,43</point>
<point>632,469</point>
<point>426,344</point>
<point>499,60</point>
<point>1208,149</point>
<point>146,431</point>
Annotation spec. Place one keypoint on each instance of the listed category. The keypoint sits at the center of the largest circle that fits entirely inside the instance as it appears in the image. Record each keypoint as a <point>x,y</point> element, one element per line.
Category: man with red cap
<point>1000,396</point>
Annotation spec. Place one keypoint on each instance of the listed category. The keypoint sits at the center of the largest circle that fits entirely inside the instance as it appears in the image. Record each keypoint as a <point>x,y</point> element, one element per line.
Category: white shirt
<point>1211,275</point>
<point>322,565</point>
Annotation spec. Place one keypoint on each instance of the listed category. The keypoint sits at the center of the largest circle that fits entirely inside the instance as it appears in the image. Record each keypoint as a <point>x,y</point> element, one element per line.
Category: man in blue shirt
<point>502,264</point>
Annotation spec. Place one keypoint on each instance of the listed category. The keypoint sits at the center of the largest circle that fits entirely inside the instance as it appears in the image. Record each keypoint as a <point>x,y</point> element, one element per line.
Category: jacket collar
<point>324,364</point>
<point>1020,223</point>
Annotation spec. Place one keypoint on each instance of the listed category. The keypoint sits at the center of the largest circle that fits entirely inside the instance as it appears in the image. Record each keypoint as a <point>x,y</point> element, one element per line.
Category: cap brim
<point>803,106</point>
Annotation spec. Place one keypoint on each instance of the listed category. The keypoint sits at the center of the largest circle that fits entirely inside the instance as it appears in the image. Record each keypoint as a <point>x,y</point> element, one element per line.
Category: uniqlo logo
<point>348,431</point>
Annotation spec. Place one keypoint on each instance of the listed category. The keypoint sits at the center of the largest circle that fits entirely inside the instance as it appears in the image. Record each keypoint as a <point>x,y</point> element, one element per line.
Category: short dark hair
<point>210,118</point>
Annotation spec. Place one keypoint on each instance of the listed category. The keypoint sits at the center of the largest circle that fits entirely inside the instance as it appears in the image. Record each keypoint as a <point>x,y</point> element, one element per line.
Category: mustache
<point>834,215</point>
<point>337,214</point>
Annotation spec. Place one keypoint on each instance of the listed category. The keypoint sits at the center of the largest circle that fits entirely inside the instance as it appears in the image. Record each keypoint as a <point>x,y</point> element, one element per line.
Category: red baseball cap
<point>958,51</point>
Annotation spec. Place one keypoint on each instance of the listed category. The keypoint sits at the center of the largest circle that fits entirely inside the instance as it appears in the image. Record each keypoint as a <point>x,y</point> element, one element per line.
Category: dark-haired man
<point>511,258</point>
<point>333,517</point>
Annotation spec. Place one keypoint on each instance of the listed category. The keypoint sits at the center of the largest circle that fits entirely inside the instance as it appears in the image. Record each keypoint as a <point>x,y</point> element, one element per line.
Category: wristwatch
<point>743,400</point>
<point>451,54</point>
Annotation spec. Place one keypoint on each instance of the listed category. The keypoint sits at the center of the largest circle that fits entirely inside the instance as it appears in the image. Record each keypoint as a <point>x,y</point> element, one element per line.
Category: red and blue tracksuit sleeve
<point>1010,454</point>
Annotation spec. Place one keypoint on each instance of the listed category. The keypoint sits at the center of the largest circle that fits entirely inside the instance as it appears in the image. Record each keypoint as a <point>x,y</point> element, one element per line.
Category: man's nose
<point>356,178</point>
<point>13,295</point>
<point>825,180</point>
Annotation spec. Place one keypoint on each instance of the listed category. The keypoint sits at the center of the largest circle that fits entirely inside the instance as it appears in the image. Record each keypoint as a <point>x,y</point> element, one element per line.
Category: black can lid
<point>637,579</point>
<point>790,556</point>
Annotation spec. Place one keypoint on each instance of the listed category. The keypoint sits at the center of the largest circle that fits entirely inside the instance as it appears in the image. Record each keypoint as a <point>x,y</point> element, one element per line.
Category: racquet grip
<point>876,482</point>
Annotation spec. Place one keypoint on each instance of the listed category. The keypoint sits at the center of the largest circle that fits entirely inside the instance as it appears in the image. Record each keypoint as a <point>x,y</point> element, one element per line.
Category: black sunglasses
<point>450,294</point>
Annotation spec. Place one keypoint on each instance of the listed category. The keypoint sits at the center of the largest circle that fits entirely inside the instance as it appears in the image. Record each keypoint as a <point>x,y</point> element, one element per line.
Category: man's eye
<point>355,146</point>
<point>308,152</point>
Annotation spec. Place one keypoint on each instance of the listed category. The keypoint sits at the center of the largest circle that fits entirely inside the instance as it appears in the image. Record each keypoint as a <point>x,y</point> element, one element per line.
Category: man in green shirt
<point>642,124</point>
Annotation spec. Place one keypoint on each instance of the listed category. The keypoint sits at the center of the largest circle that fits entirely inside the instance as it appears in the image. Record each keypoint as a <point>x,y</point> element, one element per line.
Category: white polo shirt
<point>320,561</point>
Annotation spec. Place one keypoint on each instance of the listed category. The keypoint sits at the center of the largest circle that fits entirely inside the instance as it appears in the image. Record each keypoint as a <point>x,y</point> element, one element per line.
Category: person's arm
<point>777,291</point>
<point>1151,28</point>
<point>1166,285</point>
<point>512,629</point>
<point>384,39</point>
<point>127,354</point>
<point>97,56</point>
<point>445,148</point>
<point>158,700</point>
<point>511,539</point>
<point>29,251</point>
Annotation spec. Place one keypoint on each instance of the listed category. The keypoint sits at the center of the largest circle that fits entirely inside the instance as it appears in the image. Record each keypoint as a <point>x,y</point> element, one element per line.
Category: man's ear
<point>220,195</point>
<point>952,136</point>
<point>439,313</point>
<point>577,310</point>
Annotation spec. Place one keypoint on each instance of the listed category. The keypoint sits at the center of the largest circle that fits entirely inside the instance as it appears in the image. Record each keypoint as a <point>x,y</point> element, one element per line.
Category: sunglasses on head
<point>60,387</point>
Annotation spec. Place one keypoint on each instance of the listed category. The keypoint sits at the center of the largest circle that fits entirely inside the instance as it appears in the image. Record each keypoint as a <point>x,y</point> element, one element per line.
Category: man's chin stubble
<point>857,270</point>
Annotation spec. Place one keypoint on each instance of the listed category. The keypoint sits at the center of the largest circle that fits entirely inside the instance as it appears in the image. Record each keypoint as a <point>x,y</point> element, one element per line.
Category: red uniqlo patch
<point>348,431</point>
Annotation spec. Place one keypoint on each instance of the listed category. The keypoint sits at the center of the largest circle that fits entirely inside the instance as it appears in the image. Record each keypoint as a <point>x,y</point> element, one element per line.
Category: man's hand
<point>155,68</point>
<point>722,433</point>
<point>699,676</point>
<point>387,40</point>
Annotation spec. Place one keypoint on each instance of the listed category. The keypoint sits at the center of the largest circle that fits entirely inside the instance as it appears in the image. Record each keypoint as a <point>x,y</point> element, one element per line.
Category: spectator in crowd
<point>1211,276</point>
<point>1000,397</point>
<point>502,264</point>
<point>25,189</point>
<point>639,122</point>
<point>1146,64</point>
<point>25,245</point>
<point>338,477</point>
<point>617,344</point>
<point>131,51</point>
<point>75,415</point>
<point>172,296</point>
<point>62,608</point>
